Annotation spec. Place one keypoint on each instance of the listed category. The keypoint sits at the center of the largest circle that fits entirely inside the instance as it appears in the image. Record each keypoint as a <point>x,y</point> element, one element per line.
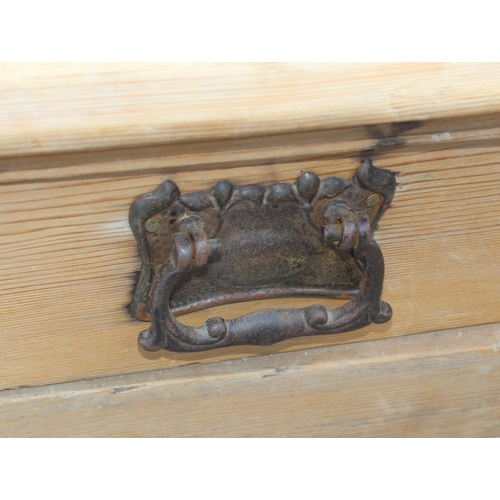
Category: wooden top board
<point>55,107</point>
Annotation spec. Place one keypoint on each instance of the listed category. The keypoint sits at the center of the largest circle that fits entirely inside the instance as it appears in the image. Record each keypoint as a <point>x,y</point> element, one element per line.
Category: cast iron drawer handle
<point>229,245</point>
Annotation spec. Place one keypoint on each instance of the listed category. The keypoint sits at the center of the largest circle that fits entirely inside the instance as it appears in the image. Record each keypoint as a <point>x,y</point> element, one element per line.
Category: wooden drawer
<point>80,143</point>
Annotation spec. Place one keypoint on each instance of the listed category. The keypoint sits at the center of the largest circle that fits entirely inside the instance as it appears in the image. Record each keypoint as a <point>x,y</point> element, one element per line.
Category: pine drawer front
<point>68,177</point>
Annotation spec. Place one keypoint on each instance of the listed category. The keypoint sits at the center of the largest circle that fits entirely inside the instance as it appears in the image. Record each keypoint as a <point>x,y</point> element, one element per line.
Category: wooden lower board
<point>442,384</point>
<point>69,260</point>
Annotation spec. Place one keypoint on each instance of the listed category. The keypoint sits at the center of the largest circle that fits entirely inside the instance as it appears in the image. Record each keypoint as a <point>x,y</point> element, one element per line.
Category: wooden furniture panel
<point>79,142</point>
<point>69,259</point>
<point>442,384</point>
<point>72,107</point>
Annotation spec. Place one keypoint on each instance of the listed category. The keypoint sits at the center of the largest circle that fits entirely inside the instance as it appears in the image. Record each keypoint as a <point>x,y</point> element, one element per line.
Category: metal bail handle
<point>223,235</point>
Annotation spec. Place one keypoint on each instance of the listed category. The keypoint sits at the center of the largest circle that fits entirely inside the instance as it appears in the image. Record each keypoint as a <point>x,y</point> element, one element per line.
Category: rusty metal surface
<point>232,244</point>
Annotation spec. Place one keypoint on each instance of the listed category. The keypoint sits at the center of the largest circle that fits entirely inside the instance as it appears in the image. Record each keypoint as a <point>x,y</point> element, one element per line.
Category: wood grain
<point>69,259</point>
<point>442,384</point>
<point>72,107</point>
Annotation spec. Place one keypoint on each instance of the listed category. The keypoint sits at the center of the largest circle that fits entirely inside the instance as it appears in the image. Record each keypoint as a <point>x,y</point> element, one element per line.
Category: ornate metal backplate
<point>230,244</point>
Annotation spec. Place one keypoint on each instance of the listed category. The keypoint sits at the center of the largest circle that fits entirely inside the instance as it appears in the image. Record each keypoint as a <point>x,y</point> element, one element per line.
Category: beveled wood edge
<point>77,107</point>
<point>185,401</point>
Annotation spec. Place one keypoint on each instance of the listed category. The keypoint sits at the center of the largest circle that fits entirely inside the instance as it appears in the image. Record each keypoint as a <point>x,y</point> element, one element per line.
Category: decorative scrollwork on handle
<point>227,245</point>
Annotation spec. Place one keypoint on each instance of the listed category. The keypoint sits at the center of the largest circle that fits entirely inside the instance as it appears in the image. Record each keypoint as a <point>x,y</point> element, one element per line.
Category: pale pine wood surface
<point>442,384</point>
<point>68,256</point>
<point>78,142</point>
<point>72,107</point>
